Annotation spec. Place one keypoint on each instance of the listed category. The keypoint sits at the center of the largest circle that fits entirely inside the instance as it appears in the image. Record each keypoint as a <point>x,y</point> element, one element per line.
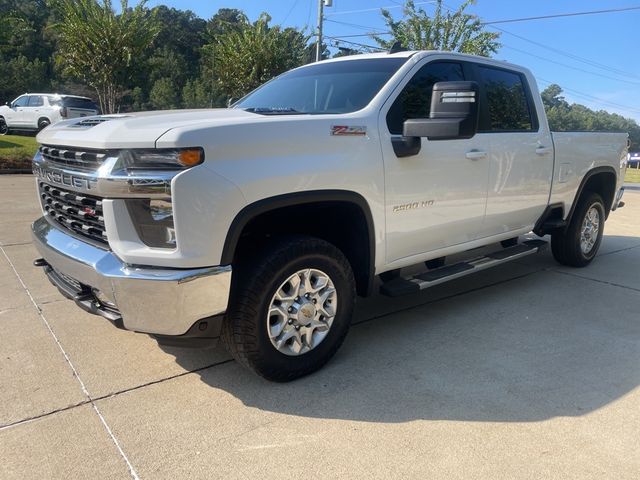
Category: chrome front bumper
<point>152,300</point>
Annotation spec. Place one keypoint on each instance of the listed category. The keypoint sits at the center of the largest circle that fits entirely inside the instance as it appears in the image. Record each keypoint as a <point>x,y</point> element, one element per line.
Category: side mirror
<point>453,115</point>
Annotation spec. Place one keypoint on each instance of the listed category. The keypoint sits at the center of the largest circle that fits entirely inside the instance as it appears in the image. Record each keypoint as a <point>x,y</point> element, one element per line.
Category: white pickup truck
<point>261,223</point>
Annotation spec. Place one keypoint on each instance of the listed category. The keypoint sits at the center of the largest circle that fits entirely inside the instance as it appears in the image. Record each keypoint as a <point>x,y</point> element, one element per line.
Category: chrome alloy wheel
<point>301,312</point>
<point>589,230</point>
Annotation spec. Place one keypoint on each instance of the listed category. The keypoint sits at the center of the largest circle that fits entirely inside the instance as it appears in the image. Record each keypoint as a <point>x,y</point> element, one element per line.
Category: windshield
<point>331,87</point>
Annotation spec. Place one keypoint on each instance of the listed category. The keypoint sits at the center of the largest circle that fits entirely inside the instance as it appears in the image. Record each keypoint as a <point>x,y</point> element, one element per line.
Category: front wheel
<point>579,243</point>
<point>290,308</point>
<point>4,128</point>
<point>42,124</point>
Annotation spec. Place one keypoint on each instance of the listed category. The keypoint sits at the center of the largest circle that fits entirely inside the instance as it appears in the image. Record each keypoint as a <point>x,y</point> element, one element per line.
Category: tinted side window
<point>507,103</point>
<point>73,102</point>
<point>21,102</point>
<point>415,99</point>
<point>35,101</point>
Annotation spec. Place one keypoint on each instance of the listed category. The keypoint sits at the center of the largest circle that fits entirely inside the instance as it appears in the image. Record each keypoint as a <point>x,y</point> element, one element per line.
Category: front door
<point>437,198</point>
<point>15,116</point>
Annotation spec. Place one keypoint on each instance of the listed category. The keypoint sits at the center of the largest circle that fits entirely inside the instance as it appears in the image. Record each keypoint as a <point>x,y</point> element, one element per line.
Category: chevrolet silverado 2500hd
<point>261,223</point>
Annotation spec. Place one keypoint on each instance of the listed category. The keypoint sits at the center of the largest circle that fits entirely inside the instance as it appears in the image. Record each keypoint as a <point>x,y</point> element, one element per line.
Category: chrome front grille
<point>81,214</point>
<point>76,159</point>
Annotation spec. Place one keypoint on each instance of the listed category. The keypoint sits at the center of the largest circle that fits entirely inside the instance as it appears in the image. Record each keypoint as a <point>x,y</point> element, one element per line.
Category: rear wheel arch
<point>600,180</point>
<point>326,214</point>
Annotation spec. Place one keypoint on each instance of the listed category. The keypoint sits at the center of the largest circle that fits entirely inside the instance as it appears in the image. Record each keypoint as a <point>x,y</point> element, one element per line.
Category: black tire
<point>4,128</point>
<point>43,123</point>
<point>565,245</point>
<point>244,331</point>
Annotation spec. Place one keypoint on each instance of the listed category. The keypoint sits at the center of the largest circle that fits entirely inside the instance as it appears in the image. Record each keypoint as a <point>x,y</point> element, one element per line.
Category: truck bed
<point>602,149</point>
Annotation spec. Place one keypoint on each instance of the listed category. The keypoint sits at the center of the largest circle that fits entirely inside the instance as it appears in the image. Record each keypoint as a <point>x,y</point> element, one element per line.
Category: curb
<point>11,171</point>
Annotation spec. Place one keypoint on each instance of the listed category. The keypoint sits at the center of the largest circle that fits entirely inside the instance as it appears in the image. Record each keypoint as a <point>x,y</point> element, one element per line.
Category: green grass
<point>16,151</point>
<point>633,175</point>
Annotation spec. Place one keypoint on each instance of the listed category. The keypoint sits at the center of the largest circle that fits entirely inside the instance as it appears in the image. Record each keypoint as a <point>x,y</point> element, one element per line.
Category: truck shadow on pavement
<point>543,344</point>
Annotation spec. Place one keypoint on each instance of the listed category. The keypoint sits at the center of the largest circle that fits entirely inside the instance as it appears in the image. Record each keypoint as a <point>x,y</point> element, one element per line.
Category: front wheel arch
<point>342,206</point>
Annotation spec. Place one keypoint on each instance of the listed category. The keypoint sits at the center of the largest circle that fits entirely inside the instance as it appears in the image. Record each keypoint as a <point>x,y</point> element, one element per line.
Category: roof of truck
<point>422,53</point>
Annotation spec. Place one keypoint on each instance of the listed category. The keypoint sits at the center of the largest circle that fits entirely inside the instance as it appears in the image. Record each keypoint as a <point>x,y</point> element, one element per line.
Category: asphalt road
<point>527,371</point>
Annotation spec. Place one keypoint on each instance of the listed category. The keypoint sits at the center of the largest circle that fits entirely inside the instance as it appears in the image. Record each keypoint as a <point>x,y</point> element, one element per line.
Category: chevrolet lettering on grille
<point>60,178</point>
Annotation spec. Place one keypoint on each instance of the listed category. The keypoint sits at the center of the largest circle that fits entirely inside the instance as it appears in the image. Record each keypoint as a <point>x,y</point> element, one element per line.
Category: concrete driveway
<point>527,371</point>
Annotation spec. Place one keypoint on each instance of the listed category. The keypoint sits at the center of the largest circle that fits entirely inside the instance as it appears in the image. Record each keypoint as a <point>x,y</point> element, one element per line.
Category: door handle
<point>475,155</point>
<point>543,151</point>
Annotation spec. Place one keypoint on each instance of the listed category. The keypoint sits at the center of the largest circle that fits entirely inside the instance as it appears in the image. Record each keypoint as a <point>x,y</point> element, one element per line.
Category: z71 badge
<point>348,130</point>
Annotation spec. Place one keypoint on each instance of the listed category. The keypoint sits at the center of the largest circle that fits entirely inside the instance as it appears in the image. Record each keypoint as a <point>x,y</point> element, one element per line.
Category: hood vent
<point>93,121</point>
<point>89,122</point>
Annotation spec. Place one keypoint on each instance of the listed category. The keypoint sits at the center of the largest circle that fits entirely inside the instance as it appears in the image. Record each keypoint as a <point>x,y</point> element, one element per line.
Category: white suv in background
<point>35,111</point>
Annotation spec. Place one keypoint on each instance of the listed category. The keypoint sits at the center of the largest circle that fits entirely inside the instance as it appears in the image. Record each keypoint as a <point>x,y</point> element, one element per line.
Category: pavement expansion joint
<point>613,284</point>
<point>132,471</point>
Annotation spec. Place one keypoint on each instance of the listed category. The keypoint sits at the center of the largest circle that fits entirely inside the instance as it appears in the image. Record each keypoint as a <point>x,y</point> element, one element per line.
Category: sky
<point>591,57</point>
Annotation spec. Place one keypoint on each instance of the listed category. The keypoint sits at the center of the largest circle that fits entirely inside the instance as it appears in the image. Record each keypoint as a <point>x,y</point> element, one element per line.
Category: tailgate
<point>74,112</point>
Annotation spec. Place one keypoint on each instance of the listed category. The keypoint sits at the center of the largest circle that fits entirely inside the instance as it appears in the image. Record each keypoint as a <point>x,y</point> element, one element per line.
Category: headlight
<point>161,159</point>
<point>153,220</point>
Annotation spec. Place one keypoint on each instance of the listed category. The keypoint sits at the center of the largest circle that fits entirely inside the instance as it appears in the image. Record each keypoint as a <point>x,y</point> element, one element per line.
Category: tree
<point>246,57</point>
<point>447,31</point>
<point>26,48</point>
<point>100,47</point>
<point>197,94</point>
<point>226,20</point>
<point>163,95</point>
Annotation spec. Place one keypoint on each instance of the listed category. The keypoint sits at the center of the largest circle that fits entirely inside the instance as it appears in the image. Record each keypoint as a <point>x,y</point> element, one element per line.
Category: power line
<point>375,9</point>
<point>559,15</point>
<point>578,69</point>
<point>355,25</point>
<point>586,61</point>
<point>295,3</point>
<point>364,34</point>
<point>380,49</point>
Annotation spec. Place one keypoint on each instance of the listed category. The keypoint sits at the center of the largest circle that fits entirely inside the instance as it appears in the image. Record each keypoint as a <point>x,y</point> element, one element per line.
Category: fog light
<point>153,220</point>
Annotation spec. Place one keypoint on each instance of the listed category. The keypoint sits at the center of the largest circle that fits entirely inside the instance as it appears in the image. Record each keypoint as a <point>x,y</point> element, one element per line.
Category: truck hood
<point>134,130</point>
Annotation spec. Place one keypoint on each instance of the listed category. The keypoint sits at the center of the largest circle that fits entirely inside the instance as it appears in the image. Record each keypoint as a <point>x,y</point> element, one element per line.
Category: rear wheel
<point>4,128</point>
<point>579,243</point>
<point>290,308</point>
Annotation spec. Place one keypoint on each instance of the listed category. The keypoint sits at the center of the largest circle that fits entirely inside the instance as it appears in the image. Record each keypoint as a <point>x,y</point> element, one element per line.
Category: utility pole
<point>321,5</point>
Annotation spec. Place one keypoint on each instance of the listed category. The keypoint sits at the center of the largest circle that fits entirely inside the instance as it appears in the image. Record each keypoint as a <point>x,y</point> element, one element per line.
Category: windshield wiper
<point>274,111</point>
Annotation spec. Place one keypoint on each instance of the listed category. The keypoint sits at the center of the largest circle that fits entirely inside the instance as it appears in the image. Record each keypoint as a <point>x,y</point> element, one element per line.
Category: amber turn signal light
<point>191,157</point>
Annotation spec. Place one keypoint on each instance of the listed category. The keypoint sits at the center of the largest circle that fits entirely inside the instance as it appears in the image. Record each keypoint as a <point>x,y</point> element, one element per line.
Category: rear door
<point>521,160</point>
<point>31,112</point>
